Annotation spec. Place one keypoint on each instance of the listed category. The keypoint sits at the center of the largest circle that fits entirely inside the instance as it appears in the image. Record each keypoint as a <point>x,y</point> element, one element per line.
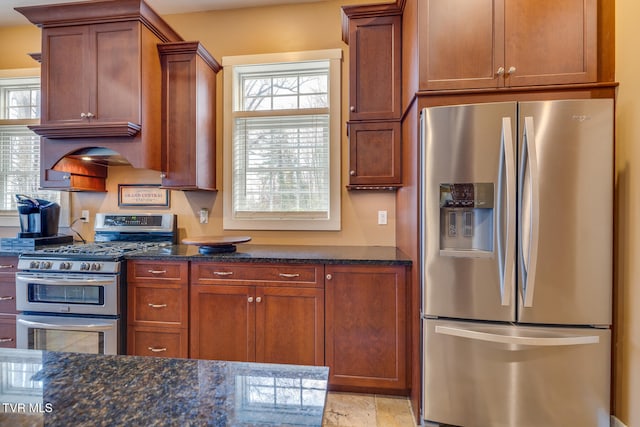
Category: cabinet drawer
<point>7,297</point>
<point>157,342</point>
<point>8,266</point>
<point>7,332</point>
<point>285,274</point>
<point>158,304</point>
<point>157,271</point>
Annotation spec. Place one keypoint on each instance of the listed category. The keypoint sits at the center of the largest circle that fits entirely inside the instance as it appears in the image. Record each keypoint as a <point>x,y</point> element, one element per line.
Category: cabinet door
<point>375,64</point>
<point>290,325</point>
<point>222,323</point>
<point>65,74</point>
<point>374,153</point>
<point>91,73</point>
<point>366,327</point>
<point>533,31</point>
<point>461,43</point>
<point>115,72</point>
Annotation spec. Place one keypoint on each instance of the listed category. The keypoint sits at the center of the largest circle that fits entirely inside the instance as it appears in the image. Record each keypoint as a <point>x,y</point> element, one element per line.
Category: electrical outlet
<point>204,216</point>
<point>85,215</point>
<point>382,217</point>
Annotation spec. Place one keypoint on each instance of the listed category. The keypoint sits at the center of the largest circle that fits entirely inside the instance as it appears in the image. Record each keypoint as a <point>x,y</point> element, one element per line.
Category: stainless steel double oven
<point>73,297</point>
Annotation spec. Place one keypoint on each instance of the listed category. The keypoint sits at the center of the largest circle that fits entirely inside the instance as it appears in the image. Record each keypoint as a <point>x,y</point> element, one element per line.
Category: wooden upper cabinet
<point>374,35</point>
<point>466,44</point>
<point>374,153</point>
<point>91,74</point>
<point>374,67</point>
<point>188,116</point>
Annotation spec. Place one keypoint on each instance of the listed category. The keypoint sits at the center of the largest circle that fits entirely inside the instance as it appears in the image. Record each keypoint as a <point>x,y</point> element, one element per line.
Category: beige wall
<point>236,32</point>
<point>15,43</point>
<point>627,373</point>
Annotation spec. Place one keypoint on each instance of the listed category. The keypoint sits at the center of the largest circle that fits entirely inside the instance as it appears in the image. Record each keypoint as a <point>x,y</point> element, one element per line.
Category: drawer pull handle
<point>7,298</point>
<point>289,275</point>
<point>157,350</point>
<point>3,340</point>
<point>6,266</point>
<point>157,305</point>
<point>157,271</point>
<point>223,273</point>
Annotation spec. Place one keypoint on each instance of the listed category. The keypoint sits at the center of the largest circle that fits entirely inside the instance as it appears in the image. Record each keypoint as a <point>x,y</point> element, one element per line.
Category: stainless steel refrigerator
<point>516,263</point>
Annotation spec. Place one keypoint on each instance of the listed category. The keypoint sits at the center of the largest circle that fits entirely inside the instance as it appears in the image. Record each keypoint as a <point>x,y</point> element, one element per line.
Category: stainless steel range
<point>73,297</point>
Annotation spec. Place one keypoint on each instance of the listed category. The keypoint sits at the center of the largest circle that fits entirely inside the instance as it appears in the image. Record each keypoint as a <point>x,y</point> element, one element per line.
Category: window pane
<point>281,164</point>
<point>314,84</point>
<point>285,103</point>
<point>285,85</point>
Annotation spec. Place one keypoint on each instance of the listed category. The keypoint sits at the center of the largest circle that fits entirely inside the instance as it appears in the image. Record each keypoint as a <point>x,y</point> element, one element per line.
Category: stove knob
<point>85,266</point>
<point>34,264</point>
<point>65,265</point>
<point>96,267</point>
<point>45,265</point>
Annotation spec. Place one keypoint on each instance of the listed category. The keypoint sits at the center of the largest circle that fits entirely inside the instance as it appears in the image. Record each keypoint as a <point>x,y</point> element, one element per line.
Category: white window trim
<point>8,219</point>
<point>331,223</point>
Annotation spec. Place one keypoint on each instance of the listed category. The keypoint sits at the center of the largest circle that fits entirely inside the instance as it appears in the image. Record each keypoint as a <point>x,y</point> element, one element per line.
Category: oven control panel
<point>71,266</point>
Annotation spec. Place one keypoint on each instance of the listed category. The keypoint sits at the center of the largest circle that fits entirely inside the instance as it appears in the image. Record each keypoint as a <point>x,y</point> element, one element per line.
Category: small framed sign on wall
<point>150,195</point>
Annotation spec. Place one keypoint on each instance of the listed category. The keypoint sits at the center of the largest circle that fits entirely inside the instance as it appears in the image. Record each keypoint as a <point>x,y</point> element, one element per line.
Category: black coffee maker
<point>38,218</point>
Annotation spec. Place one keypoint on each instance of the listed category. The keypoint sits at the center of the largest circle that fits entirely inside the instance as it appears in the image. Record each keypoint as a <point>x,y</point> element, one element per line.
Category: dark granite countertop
<point>73,389</point>
<point>384,255</point>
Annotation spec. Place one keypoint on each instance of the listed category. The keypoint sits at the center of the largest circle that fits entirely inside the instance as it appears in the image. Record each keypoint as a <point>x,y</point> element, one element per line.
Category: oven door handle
<point>62,282</point>
<point>66,327</point>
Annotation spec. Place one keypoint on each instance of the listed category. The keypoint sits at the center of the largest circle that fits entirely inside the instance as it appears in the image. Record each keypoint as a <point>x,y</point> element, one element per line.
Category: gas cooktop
<point>114,249</point>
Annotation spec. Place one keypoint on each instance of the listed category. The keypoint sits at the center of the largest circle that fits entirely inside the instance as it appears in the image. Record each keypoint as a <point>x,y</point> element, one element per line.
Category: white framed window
<point>282,141</point>
<point>19,146</point>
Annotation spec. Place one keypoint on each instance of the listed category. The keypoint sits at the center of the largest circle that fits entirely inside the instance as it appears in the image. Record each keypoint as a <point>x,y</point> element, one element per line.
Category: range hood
<point>74,165</point>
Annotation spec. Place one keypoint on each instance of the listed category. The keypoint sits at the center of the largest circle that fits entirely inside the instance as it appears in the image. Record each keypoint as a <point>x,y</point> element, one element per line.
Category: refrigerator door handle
<point>568,340</point>
<point>529,160</point>
<point>506,246</point>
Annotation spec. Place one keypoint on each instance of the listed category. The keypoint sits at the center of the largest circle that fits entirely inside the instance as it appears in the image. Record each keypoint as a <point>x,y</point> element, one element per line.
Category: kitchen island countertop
<point>60,389</point>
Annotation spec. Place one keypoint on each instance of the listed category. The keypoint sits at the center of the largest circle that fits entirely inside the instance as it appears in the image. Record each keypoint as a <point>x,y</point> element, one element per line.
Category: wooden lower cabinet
<point>159,342</point>
<point>8,268</point>
<point>236,317</point>
<point>7,331</point>
<point>366,328</point>
<point>158,308</point>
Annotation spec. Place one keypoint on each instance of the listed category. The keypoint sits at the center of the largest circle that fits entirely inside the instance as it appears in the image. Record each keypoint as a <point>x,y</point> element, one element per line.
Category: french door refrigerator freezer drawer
<point>489,375</point>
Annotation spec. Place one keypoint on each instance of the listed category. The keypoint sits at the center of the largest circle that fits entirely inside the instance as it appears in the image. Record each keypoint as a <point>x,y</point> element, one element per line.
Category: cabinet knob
<point>83,115</point>
<point>352,108</point>
<point>163,175</point>
<point>90,115</point>
<point>500,71</point>
<point>329,276</point>
<point>258,299</point>
<point>512,70</point>
<point>352,173</point>
<point>250,299</point>
<point>66,176</point>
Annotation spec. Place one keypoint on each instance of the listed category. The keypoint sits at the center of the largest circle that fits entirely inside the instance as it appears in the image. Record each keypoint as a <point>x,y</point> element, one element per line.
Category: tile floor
<point>367,410</point>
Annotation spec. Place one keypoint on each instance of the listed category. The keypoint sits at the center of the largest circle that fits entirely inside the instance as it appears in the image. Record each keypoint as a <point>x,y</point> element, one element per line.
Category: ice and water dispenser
<point>466,219</point>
